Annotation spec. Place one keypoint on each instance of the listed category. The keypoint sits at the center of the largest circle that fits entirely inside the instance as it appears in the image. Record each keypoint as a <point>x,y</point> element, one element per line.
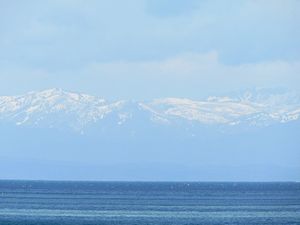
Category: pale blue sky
<point>149,48</point>
<point>144,49</point>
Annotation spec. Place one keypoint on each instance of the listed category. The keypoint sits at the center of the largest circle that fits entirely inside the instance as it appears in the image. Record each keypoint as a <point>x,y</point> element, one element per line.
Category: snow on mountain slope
<point>212,111</point>
<point>225,110</point>
<point>58,108</point>
<point>55,107</point>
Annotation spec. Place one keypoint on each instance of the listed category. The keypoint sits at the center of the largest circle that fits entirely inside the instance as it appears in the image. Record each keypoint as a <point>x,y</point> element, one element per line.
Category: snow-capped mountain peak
<point>54,106</point>
<point>59,108</point>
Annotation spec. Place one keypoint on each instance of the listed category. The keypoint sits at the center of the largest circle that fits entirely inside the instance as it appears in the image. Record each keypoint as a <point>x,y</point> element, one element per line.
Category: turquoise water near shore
<point>141,203</point>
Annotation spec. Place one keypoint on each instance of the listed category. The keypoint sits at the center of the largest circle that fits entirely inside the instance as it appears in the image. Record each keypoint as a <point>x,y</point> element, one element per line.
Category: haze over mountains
<point>161,139</point>
<point>55,108</point>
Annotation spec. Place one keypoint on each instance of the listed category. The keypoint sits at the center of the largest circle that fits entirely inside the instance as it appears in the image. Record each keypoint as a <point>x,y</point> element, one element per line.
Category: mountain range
<point>56,108</point>
<point>55,134</point>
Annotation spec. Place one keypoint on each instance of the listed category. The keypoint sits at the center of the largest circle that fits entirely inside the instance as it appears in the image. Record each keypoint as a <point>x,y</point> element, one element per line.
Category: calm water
<point>40,203</point>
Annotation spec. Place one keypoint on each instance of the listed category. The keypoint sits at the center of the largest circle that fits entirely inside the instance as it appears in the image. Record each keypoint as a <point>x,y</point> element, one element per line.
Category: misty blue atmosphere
<point>242,56</point>
<point>149,112</point>
<point>144,49</point>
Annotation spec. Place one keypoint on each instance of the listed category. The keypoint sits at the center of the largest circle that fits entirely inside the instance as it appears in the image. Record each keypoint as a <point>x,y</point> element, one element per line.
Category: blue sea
<point>141,203</point>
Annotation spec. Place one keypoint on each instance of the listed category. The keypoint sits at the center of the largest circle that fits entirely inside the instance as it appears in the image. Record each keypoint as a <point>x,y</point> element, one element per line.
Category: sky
<point>146,49</point>
<point>142,49</point>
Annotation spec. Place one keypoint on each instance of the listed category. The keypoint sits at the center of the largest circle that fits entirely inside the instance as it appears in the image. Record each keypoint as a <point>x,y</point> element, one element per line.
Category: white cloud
<point>185,75</point>
<point>198,71</point>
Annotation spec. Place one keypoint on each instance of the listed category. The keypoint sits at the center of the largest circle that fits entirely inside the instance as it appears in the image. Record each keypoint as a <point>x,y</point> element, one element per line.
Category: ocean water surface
<point>153,203</point>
